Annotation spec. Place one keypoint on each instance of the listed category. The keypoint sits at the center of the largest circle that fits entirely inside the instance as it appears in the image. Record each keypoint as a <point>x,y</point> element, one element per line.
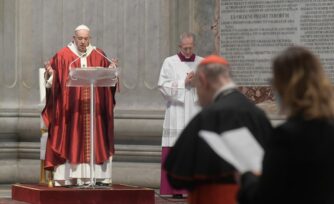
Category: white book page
<point>219,147</point>
<point>238,147</point>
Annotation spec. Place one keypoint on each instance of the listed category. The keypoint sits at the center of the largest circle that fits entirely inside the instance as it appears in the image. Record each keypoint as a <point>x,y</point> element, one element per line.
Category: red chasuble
<point>66,114</point>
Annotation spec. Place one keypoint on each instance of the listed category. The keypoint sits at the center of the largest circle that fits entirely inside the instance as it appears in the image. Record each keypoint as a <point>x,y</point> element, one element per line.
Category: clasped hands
<point>190,79</point>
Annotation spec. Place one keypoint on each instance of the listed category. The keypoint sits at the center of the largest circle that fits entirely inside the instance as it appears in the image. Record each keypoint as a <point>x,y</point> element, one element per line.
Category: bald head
<point>214,72</point>
<point>211,75</point>
<point>214,67</point>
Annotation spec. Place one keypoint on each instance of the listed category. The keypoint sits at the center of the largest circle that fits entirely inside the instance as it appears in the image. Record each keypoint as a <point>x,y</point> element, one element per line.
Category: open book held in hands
<point>238,147</point>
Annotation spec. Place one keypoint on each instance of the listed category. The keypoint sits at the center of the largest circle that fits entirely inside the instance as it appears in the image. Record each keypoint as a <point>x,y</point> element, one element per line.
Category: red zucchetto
<point>213,59</point>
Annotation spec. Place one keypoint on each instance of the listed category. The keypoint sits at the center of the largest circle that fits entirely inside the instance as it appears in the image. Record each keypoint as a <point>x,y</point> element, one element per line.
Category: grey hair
<point>187,35</point>
<point>213,71</point>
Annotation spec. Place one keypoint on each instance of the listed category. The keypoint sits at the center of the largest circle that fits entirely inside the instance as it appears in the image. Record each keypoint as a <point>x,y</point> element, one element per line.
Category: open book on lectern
<point>238,147</point>
<point>98,76</point>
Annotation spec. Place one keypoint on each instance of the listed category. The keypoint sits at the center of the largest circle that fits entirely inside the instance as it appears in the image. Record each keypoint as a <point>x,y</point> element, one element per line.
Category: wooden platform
<point>116,194</point>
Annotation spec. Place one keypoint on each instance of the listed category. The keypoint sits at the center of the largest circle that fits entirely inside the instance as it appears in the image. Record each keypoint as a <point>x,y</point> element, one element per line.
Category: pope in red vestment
<point>67,109</point>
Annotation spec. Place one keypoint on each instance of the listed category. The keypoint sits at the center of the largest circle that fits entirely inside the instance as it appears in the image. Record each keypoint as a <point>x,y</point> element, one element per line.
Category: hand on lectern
<point>114,63</point>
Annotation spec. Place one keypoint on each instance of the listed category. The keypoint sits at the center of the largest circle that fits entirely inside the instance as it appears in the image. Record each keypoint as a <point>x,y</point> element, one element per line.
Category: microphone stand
<point>103,55</point>
<point>92,121</point>
<point>82,55</point>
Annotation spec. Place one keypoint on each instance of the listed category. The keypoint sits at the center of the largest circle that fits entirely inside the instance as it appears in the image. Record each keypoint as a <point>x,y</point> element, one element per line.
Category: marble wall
<point>141,33</point>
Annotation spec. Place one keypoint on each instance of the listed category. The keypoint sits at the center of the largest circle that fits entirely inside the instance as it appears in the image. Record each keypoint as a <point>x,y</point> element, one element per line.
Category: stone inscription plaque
<point>254,31</point>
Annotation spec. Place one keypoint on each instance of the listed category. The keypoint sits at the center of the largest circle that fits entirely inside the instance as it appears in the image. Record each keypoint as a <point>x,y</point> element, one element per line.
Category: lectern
<point>92,77</point>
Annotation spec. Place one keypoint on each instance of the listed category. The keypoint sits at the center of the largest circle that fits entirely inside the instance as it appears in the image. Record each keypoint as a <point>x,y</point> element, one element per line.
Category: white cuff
<point>48,82</point>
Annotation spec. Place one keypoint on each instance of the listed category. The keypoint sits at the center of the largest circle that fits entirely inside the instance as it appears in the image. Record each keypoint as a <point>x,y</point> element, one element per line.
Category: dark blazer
<point>298,166</point>
<point>192,162</point>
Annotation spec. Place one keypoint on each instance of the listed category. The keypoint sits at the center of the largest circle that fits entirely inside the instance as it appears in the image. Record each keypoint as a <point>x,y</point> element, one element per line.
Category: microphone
<point>105,57</point>
<point>82,55</point>
<point>69,67</point>
<point>114,65</point>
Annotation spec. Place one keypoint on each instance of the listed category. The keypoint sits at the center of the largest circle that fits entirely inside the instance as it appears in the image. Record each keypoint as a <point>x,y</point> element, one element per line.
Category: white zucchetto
<point>82,27</point>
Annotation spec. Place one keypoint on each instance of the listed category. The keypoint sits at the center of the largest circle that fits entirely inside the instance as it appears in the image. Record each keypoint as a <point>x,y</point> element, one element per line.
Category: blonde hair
<point>300,80</point>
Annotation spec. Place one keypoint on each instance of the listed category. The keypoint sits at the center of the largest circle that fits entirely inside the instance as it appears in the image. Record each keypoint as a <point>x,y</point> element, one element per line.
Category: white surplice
<point>181,100</point>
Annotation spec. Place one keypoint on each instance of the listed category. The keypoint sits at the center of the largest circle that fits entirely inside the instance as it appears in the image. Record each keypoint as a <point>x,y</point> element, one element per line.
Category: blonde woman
<point>298,166</point>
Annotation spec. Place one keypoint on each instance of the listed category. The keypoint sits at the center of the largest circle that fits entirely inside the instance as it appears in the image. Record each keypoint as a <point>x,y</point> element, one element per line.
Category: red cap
<point>213,59</point>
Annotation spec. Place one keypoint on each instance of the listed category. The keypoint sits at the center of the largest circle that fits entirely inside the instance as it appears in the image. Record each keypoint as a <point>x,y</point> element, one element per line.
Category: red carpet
<point>117,194</point>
